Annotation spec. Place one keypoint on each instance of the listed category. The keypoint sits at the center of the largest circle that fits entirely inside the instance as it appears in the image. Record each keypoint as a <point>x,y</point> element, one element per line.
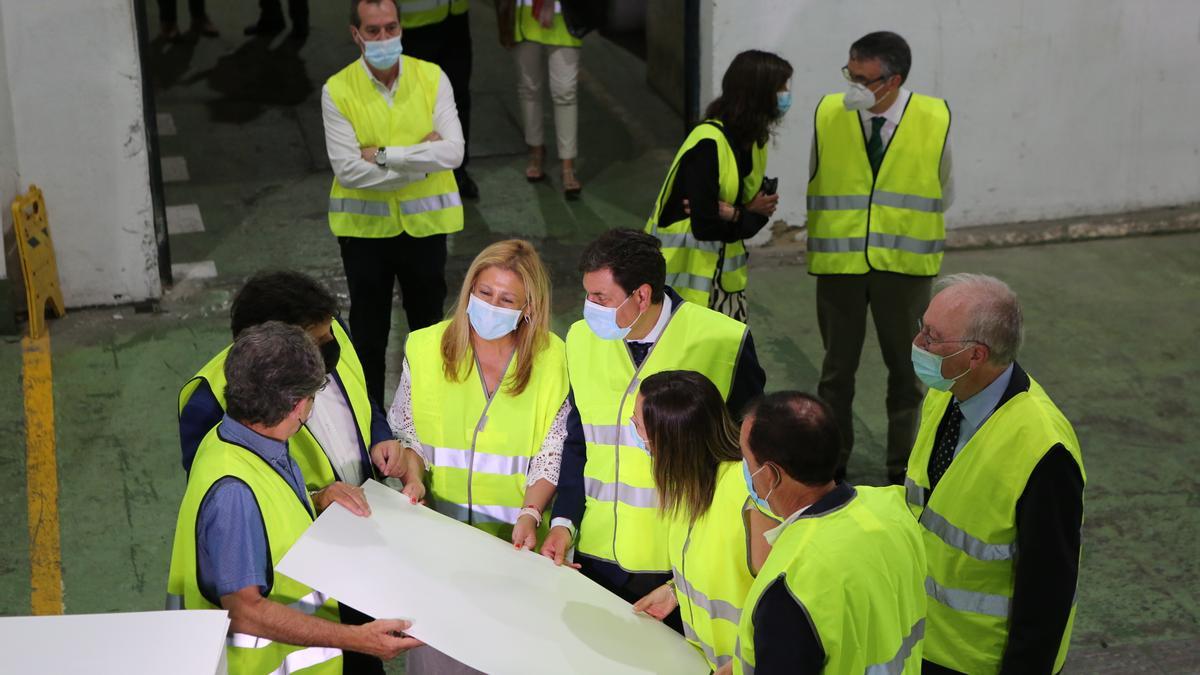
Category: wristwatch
<point>381,157</point>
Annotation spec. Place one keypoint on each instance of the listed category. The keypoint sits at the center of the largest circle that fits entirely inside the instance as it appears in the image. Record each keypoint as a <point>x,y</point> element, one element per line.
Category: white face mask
<point>858,97</point>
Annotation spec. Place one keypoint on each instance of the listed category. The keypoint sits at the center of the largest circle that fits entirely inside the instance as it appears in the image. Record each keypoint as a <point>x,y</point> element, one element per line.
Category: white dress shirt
<point>332,424</point>
<point>405,163</point>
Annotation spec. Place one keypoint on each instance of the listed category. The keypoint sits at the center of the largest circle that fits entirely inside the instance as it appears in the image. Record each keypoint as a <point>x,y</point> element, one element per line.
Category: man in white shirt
<point>393,137</point>
<point>879,183</point>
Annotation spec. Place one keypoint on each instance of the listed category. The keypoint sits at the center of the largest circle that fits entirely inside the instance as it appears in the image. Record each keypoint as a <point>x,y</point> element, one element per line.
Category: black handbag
<point>584,16</point>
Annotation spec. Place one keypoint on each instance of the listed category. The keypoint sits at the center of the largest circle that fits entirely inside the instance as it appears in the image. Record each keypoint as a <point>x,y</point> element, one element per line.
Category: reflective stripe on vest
<point>717,609</point>
<point>859,221</point>
<point>483,462</point>
<point>692,264</point>
<point>610,434</point>
<point>645,498</point>
<point>420,208</point>
<point>896,665</point>
<point>306,658</point>
<point>969,524</point>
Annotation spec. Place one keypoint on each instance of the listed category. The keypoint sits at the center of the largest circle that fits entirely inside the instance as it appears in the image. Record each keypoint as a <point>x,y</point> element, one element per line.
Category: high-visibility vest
<point>481,446</point>
<point>418,13</point>
<point>422,208</point>
<point>710,561</point>
<point>892,222</point>
<point>692,264</point>
<point>304,446</point>
<point>969,524</point>
<point>621,522</point>
<point>529,28</point>
<point>859,572</point>
<point>284,517</point>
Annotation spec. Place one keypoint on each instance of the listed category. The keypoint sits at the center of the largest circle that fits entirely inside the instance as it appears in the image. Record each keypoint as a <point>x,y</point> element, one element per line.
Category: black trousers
<point>271,11</point>
<point>448,44</point>
<point>373,266</point>
<point>168,12</point>
<point>896,302</point>
<point>355,663</point>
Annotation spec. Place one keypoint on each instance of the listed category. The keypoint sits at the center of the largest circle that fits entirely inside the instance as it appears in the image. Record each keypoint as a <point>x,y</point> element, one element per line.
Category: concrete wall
<point>1059,108</point>
<point>74,89</point>
<point>8,168</point>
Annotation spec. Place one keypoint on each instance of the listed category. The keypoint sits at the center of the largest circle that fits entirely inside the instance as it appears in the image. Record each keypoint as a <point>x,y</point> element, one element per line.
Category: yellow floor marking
<point>41,476</point>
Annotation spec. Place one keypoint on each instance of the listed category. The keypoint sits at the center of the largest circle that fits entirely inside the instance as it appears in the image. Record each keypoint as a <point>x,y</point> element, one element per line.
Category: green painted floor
<point>1111,328</point>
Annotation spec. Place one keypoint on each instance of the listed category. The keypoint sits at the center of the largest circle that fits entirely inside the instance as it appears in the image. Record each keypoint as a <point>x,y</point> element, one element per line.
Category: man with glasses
<point>879,181</point>
<point>996,470</point>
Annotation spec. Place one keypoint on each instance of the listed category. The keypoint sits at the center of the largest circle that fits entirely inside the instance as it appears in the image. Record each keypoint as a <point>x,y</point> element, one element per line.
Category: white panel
<point>1059,108</point>
<point>184,219</point>
<point>134,643</point>
<point>476,598</point>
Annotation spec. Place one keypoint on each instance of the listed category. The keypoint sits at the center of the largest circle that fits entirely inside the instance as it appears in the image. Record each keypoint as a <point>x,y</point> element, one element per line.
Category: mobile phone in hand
<point>770,185</point>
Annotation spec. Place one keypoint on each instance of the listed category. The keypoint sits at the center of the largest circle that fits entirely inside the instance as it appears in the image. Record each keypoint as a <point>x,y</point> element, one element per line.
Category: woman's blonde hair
<point>532,333</point>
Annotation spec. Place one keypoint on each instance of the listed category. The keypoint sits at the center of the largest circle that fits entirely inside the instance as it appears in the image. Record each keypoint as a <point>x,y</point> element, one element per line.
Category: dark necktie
<point>638,351</point>
<point>875,144</point>
<point>943,446</point>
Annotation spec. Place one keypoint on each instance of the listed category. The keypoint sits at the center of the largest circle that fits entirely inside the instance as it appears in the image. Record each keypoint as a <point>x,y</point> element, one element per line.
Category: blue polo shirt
<point>231,540</point>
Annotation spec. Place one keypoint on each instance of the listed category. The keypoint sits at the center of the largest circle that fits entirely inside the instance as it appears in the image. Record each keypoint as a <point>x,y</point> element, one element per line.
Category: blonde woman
<point>482,401</point>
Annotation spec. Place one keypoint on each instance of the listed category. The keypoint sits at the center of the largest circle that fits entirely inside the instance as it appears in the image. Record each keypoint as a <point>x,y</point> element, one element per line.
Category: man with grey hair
<point>246,504</point>
<point>996,469</point>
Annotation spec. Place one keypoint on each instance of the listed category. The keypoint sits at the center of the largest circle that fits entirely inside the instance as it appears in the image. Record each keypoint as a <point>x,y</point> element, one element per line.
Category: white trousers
<point>563,65</point>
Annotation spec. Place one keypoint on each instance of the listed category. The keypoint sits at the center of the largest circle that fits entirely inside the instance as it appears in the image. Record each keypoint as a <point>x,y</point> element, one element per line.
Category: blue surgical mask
<point>638,441</point>
<point>761,501</point>
<point>489,321</point>
<point>928,368</point>
<point>603,320</point>
<point>383,54</point>
<point>784,101</point>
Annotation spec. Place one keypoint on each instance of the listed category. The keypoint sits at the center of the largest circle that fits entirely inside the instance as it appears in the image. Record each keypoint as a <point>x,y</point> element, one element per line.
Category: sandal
<point>571,185</point>
<point>533,172</point>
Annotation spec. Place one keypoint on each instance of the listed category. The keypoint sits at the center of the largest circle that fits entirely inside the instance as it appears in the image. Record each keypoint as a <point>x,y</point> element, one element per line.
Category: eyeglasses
<point>923,337</point>
<point>859,80</point>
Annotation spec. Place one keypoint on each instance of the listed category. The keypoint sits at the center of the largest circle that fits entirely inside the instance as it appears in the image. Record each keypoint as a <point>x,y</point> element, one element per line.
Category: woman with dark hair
<point>714,195</point>
<point>715,540</point>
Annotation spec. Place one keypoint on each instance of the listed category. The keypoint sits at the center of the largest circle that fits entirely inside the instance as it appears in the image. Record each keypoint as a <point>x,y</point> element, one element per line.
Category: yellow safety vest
<point>284,518</point>
<point>859,572</point>
<point>711,565</point>
<point>969,524</point>
<point>621,523</point>
<point>891,222</point>
<point>418,13</point>
<point>421,208</point>
<point>303,447</point>
<point>528,27</point>
<point>692,264</point>
<point>481,446</point>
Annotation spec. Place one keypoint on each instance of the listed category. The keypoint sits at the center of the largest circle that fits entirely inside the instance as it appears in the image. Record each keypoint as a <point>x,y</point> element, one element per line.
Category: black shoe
<point>264,28</point>
<point>466,185</point>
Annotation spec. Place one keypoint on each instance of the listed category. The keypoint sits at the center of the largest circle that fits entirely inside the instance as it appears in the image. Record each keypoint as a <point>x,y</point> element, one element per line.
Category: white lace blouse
<point>545,464</point>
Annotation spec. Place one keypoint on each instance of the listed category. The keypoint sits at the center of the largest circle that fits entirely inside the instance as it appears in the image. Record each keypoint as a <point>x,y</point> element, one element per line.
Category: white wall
<point>75,88</point>
<point>1058,108</point>
<point>8,162</point>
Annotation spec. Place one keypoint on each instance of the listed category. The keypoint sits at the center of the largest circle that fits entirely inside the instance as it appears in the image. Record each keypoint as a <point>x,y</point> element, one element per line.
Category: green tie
<point>875,144</point>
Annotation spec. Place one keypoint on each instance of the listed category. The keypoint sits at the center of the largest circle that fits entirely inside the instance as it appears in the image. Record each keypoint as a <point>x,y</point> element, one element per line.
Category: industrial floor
<point>1111,325</point>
